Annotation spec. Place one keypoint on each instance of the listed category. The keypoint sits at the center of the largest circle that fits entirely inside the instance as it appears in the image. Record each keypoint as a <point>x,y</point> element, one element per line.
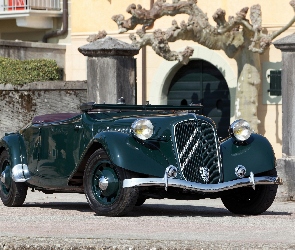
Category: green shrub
<point>19,72</point>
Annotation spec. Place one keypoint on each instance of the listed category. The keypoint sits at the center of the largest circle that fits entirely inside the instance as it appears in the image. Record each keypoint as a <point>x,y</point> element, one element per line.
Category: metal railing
<point>20,5</point>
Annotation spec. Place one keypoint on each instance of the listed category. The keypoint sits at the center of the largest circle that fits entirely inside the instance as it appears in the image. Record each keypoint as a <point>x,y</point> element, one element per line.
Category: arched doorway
<point>201,82</point>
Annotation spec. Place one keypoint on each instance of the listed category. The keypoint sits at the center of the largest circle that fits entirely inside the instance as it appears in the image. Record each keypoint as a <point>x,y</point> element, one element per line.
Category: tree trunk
<point>249,68</point>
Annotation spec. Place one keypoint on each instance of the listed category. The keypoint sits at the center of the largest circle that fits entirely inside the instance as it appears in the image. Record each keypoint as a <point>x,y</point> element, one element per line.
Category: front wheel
<point>103,186</point>
<point>246,200</point>
<point>12,194</point>
<point>140,201</point>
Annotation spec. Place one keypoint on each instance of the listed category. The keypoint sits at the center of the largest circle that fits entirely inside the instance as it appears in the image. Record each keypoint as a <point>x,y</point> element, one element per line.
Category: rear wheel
<point>12,193</point>
<point>246,200</point>
<point>103,186</point>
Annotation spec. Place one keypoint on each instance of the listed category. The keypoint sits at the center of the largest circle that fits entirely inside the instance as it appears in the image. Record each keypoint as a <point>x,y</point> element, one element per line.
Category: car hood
<point>162,122</point>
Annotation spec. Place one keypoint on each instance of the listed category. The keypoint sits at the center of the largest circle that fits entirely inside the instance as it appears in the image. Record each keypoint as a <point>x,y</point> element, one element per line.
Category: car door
<point>31,137</point>
<point>59,151</point>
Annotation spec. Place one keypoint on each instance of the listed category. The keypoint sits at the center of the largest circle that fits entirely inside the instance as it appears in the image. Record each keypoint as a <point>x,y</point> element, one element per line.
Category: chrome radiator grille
<point>197,151</point>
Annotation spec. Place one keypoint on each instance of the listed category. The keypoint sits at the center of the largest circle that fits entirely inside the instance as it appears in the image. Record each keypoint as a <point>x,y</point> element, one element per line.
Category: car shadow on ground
<point>146,210</point>
<point>178,211</point>
<point>78,206</point>
<point>188,210</point>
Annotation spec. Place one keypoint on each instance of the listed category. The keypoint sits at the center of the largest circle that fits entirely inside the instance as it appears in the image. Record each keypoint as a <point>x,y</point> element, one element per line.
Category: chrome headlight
<point>240,129</point>
<point>142,128</point>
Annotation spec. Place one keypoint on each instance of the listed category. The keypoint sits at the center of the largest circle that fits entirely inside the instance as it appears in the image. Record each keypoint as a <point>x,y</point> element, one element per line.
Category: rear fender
<point>129,153</point>
<point>257,156</point>
<point>15,146</point>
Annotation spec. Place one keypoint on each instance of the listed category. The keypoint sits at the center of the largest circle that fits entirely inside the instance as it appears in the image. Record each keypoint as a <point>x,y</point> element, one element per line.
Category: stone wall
<point>30,50</point>
<point>19,104</point>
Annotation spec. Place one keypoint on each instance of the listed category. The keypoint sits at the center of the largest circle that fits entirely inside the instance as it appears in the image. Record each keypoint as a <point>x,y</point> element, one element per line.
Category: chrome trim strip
<point>20,173</point>
<point>189,155</point>
<point>217,145</point>
<point>188,142</point>
<point>207,188</point>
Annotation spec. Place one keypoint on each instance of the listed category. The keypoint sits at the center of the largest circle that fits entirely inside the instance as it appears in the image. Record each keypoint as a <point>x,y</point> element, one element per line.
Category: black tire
<point>12,194</point>
<point>248,201</point>
<point>140,201</point>
<point>113,200</point>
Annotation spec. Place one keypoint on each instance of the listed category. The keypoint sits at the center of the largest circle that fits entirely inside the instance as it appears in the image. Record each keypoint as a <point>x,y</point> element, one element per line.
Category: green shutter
<point>275,83</point>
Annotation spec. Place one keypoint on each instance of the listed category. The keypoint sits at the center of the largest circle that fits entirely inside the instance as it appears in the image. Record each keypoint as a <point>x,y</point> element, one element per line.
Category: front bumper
<point>169,181</point>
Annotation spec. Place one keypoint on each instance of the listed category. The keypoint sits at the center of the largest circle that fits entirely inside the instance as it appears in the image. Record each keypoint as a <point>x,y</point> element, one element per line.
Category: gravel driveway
<point>65,221</point>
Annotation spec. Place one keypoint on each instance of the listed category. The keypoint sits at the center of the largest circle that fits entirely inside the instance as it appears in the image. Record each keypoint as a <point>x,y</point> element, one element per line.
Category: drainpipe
<point>143,77</point>
<point>143,66</point>
<point>65,25</point>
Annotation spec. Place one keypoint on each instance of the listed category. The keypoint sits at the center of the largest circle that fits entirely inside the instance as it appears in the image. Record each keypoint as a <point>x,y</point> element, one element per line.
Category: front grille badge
<point>204,171</point>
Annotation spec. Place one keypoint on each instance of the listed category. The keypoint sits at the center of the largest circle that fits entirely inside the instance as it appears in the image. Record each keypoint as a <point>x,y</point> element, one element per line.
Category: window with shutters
<point>275,83</point>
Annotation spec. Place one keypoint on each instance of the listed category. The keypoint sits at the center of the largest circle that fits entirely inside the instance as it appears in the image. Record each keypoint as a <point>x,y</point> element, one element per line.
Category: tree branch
<point>288,25</point>
<point>235,22</point>
<point>159,43</point>
<point>94,37</point>
<point>196,29</point>
<point>225,36</point>
<point>261,41</point>
<point>148,17</point>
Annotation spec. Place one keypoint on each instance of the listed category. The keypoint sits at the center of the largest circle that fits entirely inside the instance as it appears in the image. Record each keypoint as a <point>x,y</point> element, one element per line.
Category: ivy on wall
<point>18,72</point>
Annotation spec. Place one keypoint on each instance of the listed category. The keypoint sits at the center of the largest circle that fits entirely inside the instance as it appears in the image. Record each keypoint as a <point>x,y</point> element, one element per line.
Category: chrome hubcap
<point>103,183</point>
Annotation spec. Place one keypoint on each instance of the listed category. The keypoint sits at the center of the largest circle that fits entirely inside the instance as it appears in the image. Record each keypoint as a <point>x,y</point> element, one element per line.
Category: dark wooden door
<point>201,82</point>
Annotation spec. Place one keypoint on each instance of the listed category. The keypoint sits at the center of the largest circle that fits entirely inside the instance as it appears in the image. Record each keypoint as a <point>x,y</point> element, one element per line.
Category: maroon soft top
<point>53,117</point>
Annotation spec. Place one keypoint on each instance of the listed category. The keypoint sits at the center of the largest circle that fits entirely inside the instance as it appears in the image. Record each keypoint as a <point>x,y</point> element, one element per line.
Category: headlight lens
<point>240,129</point>
<point>143,128</point>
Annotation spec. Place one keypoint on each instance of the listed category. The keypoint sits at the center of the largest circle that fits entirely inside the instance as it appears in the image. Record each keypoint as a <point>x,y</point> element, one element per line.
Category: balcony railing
<point>21,5</point>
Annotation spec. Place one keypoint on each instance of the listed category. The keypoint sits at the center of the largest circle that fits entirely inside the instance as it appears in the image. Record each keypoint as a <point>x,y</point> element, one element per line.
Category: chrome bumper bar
<point>199,187</point>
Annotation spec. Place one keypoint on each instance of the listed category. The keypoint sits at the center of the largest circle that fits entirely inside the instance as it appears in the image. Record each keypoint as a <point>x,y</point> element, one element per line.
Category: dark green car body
<point>53,151</point>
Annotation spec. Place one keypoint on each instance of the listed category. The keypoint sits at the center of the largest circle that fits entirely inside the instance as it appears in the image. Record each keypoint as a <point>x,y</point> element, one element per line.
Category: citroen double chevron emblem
<point>204,171</point>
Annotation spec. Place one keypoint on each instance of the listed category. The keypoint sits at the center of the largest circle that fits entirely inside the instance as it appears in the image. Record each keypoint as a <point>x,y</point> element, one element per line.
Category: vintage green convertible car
<point>120,155</point>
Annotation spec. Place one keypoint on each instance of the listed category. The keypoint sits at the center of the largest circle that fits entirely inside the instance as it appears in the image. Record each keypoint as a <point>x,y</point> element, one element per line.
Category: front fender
<point>15,146</point>
<point>257,156</point>
<point>128,153</point>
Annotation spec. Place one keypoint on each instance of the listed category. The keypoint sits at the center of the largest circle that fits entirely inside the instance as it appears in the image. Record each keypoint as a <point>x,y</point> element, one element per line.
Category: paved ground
<point>65,221</point>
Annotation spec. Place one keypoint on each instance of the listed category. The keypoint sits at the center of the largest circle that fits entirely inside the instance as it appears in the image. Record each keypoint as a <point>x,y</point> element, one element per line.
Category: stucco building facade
<point>159,81</point>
